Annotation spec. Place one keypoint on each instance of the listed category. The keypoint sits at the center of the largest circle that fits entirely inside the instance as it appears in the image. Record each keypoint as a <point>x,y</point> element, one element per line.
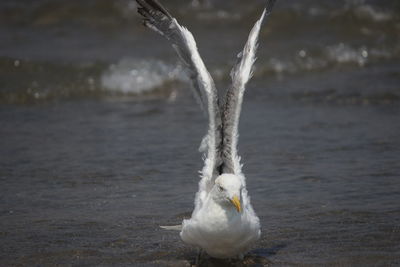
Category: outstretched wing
<point>240,74</point>
<point>157,18</point>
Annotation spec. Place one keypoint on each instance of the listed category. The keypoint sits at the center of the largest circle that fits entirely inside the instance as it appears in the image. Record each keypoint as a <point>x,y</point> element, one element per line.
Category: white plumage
<point>223,222</point>
<point>219,227</point>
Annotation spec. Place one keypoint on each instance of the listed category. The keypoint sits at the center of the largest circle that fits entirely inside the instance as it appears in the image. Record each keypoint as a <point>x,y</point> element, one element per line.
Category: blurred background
<point>99,130</point>
<point>60,50</point>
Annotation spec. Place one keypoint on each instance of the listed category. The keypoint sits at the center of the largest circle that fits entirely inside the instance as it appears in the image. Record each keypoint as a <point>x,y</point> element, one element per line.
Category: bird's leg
<point>198,257</point>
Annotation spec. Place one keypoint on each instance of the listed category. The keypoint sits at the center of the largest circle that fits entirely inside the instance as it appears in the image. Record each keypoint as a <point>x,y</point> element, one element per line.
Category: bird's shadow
<point>256,257</point>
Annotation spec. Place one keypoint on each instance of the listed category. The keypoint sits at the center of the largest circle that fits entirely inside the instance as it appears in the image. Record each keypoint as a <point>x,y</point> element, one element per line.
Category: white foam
<point>342,53</point>
<point>133,76</point>
<point>325,58</point>
<point>369,12</point>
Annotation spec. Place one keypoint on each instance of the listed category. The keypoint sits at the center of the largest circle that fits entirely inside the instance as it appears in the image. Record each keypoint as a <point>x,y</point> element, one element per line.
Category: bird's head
<point>228,191</point>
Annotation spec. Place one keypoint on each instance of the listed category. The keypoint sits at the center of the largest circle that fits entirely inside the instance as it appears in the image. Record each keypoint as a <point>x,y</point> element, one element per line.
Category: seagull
<point>223,222</point>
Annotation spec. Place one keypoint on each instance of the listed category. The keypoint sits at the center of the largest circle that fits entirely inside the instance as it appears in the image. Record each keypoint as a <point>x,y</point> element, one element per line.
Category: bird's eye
<point>220,188</point>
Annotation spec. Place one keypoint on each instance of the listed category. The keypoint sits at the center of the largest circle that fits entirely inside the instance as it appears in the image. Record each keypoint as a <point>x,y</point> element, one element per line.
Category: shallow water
<point>99,132</point>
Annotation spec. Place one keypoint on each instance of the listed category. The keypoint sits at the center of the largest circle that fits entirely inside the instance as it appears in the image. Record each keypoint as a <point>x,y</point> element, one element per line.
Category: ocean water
<point>100,132</point>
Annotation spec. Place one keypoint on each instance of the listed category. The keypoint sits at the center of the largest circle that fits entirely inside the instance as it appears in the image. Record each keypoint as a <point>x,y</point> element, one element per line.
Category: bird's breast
<point>218,220</point>
<point>220,230</point>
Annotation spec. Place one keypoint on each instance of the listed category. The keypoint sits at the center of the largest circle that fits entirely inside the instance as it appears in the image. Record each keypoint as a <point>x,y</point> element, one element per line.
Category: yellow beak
<point>236,202</point>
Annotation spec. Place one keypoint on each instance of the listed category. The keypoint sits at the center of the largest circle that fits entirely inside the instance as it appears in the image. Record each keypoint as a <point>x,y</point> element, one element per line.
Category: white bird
<point>223,222</point>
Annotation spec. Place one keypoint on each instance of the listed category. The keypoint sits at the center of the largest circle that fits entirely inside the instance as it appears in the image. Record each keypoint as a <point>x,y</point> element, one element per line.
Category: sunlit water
<point>99,133</point>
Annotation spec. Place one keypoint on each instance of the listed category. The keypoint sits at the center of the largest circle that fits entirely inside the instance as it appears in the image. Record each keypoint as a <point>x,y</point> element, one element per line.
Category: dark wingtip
<point>142,11</point>
<point>270,4</point>
<point>153,4</point>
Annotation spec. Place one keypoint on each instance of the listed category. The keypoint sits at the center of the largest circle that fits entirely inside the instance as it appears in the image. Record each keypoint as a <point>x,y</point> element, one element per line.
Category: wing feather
<point>157,18</point>
<point>240,74</point>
